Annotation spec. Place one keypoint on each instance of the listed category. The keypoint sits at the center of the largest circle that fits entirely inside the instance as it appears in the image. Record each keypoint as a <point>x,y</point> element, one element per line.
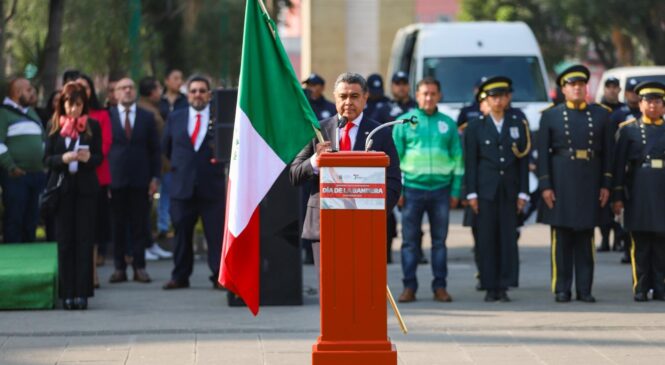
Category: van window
<point>458,75</point>
<point>658,78</point>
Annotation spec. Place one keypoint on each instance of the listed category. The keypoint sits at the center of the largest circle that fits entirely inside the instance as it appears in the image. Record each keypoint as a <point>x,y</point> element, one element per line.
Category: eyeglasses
<point>198,91</point>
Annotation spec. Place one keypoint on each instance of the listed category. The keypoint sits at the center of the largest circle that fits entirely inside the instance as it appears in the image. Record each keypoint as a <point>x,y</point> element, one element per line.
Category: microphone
<point>368,143</point>
<point>341,122</point>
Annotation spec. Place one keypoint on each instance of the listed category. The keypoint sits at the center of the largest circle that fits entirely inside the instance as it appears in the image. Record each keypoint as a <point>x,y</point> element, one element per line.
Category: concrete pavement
<point>133,324</point>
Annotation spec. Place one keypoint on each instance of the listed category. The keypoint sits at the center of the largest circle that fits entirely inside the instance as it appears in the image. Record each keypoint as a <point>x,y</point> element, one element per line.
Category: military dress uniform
<point>496,173</point>
<point>574,149</point>
<point>639,182</point>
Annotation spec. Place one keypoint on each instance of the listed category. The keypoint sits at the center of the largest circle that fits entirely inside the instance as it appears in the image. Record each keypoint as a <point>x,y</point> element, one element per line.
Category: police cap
<point>572,74</point>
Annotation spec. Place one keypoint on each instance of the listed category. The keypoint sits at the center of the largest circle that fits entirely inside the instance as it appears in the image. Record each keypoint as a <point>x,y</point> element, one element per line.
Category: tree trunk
<point>50,60</point>
<point>2,43</point>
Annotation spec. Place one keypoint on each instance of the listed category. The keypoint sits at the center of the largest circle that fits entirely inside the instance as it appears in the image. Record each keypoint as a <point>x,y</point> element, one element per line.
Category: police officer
<point>497,182</point>
<point>631,110</point>
<point>388,112</point>
<point>377,98</point>
<point>611,92</point>
<point>471,112</point>
<point>638,186</point>
<point>401,103</point>
<point>315,85</point>
<point>574,158</point>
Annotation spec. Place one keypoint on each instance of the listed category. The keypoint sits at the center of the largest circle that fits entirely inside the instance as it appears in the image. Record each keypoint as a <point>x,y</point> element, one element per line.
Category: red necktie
<point>128,125</point>
<point>345,143</point>
<point>197,127</point>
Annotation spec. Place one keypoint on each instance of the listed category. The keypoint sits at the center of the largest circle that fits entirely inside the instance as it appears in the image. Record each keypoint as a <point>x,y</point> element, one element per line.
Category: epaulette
<point>548,107</point>
<point>604,106</point>
<point>628,122</point>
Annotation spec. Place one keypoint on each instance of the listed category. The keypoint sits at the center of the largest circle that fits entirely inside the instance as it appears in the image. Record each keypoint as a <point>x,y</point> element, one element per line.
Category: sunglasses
<point>198,91</point>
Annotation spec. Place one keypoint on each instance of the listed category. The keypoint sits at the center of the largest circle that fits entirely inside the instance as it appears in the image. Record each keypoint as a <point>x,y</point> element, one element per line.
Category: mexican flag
<point>273,123</point>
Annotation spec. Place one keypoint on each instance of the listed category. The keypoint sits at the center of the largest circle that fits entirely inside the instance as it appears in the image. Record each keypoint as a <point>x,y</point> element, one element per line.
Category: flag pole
<point>400,320</point>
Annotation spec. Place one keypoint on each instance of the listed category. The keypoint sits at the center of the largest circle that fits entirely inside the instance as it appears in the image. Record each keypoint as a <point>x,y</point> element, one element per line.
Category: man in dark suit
<point>351,94</point>
<point>574,163</point>
<point>496,148</point>
<point>197,187</point>
<point>134,160</point>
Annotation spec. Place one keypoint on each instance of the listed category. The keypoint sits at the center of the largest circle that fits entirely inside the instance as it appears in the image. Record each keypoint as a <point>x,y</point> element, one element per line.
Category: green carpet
<point>28,275</point>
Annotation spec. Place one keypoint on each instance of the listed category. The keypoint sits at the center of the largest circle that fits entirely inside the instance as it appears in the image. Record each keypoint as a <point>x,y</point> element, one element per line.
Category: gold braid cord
<point>516,149</point>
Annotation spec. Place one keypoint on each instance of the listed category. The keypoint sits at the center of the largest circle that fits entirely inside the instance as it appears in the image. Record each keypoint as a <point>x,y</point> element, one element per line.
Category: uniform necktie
<point>345,143</point>
<point>128,125</point>
<point>197,127</point>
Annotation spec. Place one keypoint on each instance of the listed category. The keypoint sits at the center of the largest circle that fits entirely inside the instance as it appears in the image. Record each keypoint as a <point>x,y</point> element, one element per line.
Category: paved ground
<point>134,324</point>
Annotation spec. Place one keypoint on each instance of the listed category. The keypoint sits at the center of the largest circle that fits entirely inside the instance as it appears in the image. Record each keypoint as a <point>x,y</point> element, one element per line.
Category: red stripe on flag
<point>239,270</point>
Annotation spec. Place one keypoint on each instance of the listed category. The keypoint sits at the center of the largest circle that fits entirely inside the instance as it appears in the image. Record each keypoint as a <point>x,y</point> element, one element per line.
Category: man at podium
<point>353,127</point>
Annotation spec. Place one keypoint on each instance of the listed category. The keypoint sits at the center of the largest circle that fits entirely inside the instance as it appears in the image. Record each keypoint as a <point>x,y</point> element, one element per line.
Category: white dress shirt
<point>11,103</point>
<point>132,115</point>
<point>73,166</point>
<point>498,124</point>
<point>353,133</point>
<point>191,124</point>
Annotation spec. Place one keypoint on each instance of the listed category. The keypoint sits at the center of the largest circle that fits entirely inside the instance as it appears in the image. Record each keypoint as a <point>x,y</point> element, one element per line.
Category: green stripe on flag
<point>269,92</point>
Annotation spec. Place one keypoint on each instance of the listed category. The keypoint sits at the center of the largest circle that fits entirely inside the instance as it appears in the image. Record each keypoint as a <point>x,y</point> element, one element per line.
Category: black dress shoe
<point>586,298</point>
<point>141,276</point>
<point>502,296</point>
<point>172,284</point>
<point>604,247</point>
<point>68,304</point>
<point>562,297</point>
<point>81,303</point>
<point>658,296</point>
<point>491,296</point>
<point>640,297</point>
<point>625,259</point>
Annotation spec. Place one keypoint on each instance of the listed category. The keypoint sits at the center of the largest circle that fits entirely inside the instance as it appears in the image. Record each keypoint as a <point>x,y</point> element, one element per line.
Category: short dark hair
<point>170,71</point>
<point>93,102</point>
<point>352,78</point>
<point>70,75</point>
<point>199,78</point>
<point>147,85</point>
<point>429,81</point>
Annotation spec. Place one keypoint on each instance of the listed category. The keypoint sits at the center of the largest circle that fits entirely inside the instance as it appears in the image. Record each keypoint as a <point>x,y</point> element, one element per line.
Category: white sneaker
<point>159,252</point>
<point>149,256</point>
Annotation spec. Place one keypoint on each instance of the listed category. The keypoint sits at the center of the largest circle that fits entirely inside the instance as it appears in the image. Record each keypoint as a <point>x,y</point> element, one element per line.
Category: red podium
<point>354,318</point>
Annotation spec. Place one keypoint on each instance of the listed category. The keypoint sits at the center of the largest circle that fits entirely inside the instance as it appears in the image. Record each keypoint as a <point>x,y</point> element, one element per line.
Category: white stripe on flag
<point>254,168</point>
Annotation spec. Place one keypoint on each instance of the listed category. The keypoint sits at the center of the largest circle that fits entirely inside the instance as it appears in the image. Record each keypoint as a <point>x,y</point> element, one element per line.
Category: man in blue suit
<point>197,186</point>
<point>134,160</point>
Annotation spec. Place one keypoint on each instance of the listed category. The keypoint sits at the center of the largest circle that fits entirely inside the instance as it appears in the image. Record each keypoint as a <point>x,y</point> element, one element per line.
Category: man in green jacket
<point>21,166</point>
<point>432,168</point>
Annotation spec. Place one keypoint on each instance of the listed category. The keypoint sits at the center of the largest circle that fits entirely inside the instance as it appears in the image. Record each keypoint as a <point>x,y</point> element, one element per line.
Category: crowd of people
<point>90,174</point>
<point>591,161</point>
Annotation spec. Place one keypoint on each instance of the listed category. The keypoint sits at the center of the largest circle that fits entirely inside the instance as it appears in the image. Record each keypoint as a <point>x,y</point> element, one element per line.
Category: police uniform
<point>640,178</point>
<point>323,109</point>
<point>496,173</point>
<point>574,149</point>
<point>376,99</point>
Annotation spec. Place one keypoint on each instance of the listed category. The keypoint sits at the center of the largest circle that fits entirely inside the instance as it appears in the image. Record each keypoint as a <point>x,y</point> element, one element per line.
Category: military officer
<point>497,182</point>
<point>574,149</point>
<point>638,185</point>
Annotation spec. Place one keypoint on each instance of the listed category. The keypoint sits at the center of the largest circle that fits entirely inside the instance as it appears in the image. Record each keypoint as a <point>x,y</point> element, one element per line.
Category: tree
<point>48,64</point>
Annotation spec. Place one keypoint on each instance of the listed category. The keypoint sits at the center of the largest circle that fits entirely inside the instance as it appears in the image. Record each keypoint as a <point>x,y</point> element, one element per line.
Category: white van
<point>459,54</point>
<point>640,74</point>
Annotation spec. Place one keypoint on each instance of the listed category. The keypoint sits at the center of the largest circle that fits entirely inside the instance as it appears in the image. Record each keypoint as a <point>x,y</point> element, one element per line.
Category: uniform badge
<point>514,132</point>
<point>325,114</point>
<point>395,111</point>
<point>443,127</point>
<point>487,141</point>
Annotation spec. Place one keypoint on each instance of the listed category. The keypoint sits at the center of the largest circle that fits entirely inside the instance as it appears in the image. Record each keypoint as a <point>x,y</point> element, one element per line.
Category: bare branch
<point>11,12</point>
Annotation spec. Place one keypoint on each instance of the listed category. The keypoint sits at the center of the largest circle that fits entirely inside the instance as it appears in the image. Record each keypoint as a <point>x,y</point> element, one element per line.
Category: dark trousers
<point>103,226</point>
<point>184,214</point>
<point>572,249</point>
<point>20,198</point>
<point>74,220</point>
<point>497,254</point>
<point>391,226</point>
<point>129,206</point>
<point>647,255</point>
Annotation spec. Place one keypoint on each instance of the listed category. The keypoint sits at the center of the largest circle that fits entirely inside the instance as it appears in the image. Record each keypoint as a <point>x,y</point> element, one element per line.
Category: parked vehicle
<point>459,54</point>
<point>640,73</point>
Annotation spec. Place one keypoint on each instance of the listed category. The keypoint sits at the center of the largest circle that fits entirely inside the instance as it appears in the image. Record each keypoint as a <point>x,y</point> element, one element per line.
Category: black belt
<point>575,154</point>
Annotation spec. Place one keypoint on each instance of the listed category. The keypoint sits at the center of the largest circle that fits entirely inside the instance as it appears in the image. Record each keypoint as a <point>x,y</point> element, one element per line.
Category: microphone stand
<point>368,142</point>
<point>341,122</point>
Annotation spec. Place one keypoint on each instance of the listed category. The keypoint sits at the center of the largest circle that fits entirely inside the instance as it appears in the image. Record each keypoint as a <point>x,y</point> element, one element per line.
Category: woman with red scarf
<point>73,152</point>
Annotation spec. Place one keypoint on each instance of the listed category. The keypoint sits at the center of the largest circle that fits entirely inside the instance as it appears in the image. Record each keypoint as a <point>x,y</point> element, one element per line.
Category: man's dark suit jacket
<point>301,170</point>
<point>136,161</point>
<point>192,171</point>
